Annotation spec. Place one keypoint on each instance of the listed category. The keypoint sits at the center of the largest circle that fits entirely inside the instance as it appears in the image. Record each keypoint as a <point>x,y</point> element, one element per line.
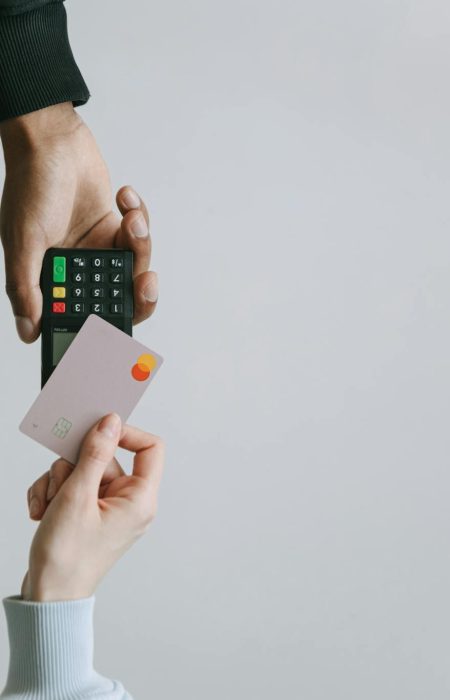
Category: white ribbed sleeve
<point>51,653</point>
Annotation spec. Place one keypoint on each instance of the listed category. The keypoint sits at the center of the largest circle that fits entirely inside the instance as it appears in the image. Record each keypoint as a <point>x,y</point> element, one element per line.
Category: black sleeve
<point>37,67</point>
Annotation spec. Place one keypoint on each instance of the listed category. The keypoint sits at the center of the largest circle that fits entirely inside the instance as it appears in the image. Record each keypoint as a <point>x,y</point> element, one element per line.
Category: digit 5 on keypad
<point>75,283</point>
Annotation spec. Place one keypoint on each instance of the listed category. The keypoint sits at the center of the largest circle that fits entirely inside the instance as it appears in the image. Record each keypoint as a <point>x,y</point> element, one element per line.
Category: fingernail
<point>151,291</point>
<point>139,227</point>
<point>110,425</point>
<point>131,199</point>
<point>34,507</point>
<point>25,328</point>
<point>51,488</point>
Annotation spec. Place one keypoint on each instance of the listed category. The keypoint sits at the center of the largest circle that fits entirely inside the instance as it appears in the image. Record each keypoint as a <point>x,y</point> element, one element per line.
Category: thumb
<point>23,272</point>
<point>96,453</point>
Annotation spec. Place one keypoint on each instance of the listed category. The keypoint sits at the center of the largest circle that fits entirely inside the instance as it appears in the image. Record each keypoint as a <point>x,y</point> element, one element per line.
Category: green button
<point>59,269</point>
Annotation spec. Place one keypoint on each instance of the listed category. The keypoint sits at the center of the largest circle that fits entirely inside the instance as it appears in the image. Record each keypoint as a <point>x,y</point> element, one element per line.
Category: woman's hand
<point>92,513</point>
<point>57,192</point>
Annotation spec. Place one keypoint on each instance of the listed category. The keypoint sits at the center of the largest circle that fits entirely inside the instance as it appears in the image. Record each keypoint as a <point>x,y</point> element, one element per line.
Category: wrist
<point>41,589</point>
<point>31,131</point>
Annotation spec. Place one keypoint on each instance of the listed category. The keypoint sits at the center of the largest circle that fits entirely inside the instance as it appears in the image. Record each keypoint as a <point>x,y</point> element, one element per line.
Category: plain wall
<point>295,157</point>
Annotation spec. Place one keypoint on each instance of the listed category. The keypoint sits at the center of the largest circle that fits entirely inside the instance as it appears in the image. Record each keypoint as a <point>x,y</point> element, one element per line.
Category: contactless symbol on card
<point>61,428</point>
<point>142,370</point>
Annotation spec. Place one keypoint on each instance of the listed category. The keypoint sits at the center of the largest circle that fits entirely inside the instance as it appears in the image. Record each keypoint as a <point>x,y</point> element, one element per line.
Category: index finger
<point>127,199</point>
<point>149,453</point>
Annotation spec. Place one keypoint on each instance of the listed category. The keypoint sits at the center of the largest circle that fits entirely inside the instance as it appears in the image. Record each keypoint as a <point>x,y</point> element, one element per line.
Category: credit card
<point>103,371</point>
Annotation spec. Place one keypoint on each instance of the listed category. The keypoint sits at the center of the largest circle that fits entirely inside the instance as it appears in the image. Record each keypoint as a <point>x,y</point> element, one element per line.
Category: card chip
<point>61,428</point>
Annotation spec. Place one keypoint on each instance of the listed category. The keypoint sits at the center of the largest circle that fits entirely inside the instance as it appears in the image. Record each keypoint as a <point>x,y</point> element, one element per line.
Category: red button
<point>59,307</point>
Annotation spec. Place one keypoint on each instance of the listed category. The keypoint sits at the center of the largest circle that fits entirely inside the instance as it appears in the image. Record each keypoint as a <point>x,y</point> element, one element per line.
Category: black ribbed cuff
<point>37,67</point>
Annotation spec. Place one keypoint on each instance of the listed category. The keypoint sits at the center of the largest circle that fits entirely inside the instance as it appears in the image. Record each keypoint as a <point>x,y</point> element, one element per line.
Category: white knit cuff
<point>51,652</point>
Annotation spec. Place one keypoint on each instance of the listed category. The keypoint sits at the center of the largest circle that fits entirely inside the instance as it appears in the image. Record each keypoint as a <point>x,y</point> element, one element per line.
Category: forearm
<point>51,652</point>
<point>37,67</point>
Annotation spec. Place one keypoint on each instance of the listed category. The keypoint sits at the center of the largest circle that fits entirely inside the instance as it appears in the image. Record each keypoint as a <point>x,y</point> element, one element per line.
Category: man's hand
<point>91,513</point>
<point>57,192</point>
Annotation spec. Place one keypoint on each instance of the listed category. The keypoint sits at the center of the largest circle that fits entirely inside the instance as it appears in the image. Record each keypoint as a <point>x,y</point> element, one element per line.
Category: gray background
<point>295,157</point>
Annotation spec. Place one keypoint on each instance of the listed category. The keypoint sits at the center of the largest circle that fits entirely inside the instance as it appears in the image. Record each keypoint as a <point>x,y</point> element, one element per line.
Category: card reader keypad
<point>92,284</point>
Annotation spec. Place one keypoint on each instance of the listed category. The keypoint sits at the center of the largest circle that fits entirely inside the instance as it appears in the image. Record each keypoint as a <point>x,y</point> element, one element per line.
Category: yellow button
<point>59,292</point>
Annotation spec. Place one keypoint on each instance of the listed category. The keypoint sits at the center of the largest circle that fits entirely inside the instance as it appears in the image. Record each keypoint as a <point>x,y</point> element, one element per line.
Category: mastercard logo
<point>143,368</point>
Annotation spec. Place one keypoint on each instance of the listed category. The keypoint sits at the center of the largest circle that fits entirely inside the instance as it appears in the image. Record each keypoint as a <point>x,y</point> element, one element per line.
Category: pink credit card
<point>103,371</point>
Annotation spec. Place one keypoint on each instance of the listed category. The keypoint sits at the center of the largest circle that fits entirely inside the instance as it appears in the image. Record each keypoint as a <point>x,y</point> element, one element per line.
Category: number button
<point>97,308</point>
<point>78,277</point>
<point>116,262</point>
<point>116,278</point>
<point>116,308</point>
<point>58,307</point>
<point>115,293</point>
<point>97,277</point>
<point>96,292</point>
<point>78,262</point>
<point>97,262</point>
<point>78,308</point>
<point>78,292</point>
